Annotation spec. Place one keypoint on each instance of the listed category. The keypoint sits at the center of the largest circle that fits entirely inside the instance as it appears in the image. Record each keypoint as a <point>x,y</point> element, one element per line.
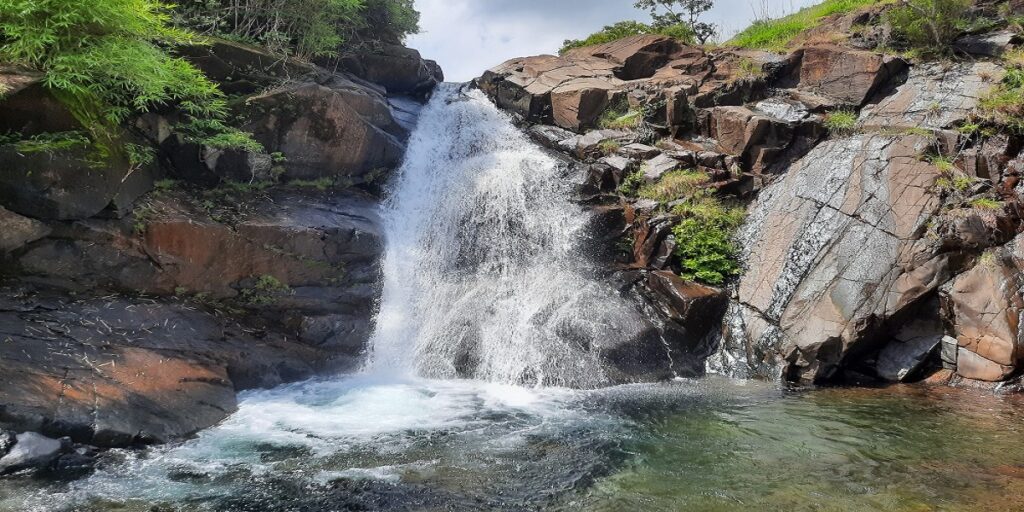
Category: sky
<point>469,36</point>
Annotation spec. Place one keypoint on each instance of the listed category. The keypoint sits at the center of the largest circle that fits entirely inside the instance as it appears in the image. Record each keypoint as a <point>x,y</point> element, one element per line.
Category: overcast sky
<point>469,36</point>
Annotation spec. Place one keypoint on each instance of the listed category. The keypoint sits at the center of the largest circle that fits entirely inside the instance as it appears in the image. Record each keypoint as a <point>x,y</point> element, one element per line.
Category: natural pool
<point>705,445</point>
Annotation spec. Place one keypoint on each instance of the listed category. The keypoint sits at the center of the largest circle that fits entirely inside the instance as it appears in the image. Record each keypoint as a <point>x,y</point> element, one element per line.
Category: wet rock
<point>338,129</point>
<point>986,304</point>
<point>16,230</point>
<point>849,76</point>
<point>551,137</point>
<point>31,450</point>
<point>832,250</point>
<point>935,96</point>
<point>7,440</point>
<point>694,307</point>
<point>987,45</point>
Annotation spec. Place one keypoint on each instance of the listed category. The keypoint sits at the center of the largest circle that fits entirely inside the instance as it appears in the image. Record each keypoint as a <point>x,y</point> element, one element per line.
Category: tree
<point>681,12</point>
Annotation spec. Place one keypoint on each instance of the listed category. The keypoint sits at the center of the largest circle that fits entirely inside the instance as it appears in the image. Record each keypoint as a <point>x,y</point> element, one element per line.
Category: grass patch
<point>618,119</point>
<point>1004,106</point>
<point>986,203</point>
<point>610,146</point>
<point>320,184</point>
<point>841,122</point>
<point>705,247</point>
<point>777,34</point>
<point>675,185</point>
<point>929,26</point>
<point>47,142</point>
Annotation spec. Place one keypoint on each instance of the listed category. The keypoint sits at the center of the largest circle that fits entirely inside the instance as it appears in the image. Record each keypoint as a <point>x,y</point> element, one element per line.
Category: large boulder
<point>340,129</point>
<point>836,248</point>
<point>849,76</point>
<point>123,371</point>
<point>987,304</point>
<point>758,139</point>
<point>637,57</point>
<point>28,107</point>
<point>30,450</point>
<point>398,69</point>
<point>243,69</point>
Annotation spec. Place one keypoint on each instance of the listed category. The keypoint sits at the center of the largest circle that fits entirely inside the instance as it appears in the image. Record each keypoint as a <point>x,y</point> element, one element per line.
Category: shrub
<point>776,34</point>
<point>626,29</point>
<point>1004,106</point>
<point>928,26</point>
<point>215,134</point>
<point>47,142</point>
<point>107,59</point>
<point>264,291</point>
<point>674,185</point>
<point>841,122</point>
<point>704,239</point>
<point>631,183</point>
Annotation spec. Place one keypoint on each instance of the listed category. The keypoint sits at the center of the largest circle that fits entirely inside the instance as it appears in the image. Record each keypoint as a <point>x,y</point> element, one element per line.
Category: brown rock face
<point>833,250</point>
<point>339,129</point>
<point>638,57</point>
<point>850,76</point>
<point>987,303</point>
<point>758,139</point>
<point>398,69</point>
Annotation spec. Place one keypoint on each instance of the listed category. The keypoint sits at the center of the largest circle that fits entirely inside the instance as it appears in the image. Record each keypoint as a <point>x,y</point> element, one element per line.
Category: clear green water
<point>708,445</point>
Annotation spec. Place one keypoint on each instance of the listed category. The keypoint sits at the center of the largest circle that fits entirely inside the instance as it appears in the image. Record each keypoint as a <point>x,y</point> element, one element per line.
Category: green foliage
<point>704,239</point>
<point>776,34</point>
<point>1004,106</point>
<point>620,118</point>
<point>682,14</point>
<point>301,28</point>
<point>928,26</point>
<point>986,203</point>
<point>215,134</point>
<point>609,147</point>
<point>139,155</point>
<point>631,183</point>
<point>675,185</point>
<point>841,122</point>
<point>106,58</point>
<point>264,291</point>
<point>47,142</point>
<point>626,29</point>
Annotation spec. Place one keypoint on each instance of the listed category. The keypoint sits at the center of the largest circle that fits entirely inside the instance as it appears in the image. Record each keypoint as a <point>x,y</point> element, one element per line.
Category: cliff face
<point>873,246</point>
<point>140,294</point>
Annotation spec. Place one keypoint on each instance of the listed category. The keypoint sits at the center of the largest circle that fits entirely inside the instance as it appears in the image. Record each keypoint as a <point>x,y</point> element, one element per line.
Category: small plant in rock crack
<point>986,203</point>
<point>609,147</point>
<point>264,291</point>
<point>841,122</point>
<point>632,183</point>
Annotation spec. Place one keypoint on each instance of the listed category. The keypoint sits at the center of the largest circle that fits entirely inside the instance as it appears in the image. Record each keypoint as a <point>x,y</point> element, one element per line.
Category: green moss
<point>705,248</point>
<point>777,34</point>
<point>675,185</point>
<point>319,184</point>
<point>265,290</point>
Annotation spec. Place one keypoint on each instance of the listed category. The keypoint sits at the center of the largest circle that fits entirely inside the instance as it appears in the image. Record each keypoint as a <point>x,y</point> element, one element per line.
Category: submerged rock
<point>30,450</point>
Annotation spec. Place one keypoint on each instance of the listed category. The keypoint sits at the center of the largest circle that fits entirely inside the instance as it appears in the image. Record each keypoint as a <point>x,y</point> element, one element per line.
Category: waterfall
<point>483,274</point>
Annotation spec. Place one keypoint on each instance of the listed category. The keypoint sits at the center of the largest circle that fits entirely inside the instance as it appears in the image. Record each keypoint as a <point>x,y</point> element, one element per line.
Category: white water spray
<point>483,277</point>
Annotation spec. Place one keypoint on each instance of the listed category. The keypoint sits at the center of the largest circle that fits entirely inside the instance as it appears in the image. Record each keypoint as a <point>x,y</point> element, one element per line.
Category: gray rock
<point>993,44</point>
<point>16,230</point>
<point>642,151</point>
<point>616,162</point>
<point>901,359</point>
<point>656,167</point>
<point>31,450</point>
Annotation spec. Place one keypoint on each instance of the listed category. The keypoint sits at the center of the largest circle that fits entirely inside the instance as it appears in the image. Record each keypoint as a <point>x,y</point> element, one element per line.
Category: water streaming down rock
<point>483,273</point>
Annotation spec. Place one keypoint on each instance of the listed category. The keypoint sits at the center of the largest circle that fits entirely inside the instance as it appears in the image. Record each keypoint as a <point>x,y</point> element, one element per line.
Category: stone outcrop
<point>398,69</point>
<point>848,76</point>
<point>19,230</point>
<point>985,304</point>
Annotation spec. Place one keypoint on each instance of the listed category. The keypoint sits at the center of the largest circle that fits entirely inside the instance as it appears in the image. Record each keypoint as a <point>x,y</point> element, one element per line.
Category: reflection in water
<point>709,445</point>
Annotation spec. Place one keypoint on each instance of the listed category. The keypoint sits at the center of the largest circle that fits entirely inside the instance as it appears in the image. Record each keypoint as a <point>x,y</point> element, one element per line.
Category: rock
<point>986,304</point>
<point>7,440</point>
<point>28,107</point>
<point>905,356</point>
<point>790,111</point>
<point>757,139</point>
<point>31,450</point>
<point>243,69</point>
<point>833,249</point>
<point>116,372</point>
<point>578,103</point>
<point>67,184</point>
<point>398,69</point>
<point>551,137</point>
<point>620,164</point>
<point>656,167</point>
<point>341,129</point>
<point>935,96</point>
<point>987,45</point>
<point>849,76</point>
<point>637,56</point>
<point>639,151</point>
<point>589,146</point>
<point>16,231</point>
<point>209,166</point>
<point>695,308</point>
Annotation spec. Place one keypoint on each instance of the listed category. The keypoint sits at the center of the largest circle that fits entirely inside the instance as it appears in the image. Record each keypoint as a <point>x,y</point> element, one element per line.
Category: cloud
<point>469,36</point>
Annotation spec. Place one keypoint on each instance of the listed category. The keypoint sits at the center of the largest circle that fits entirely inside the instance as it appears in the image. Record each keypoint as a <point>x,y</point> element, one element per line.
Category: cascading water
<point>483,276</point>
